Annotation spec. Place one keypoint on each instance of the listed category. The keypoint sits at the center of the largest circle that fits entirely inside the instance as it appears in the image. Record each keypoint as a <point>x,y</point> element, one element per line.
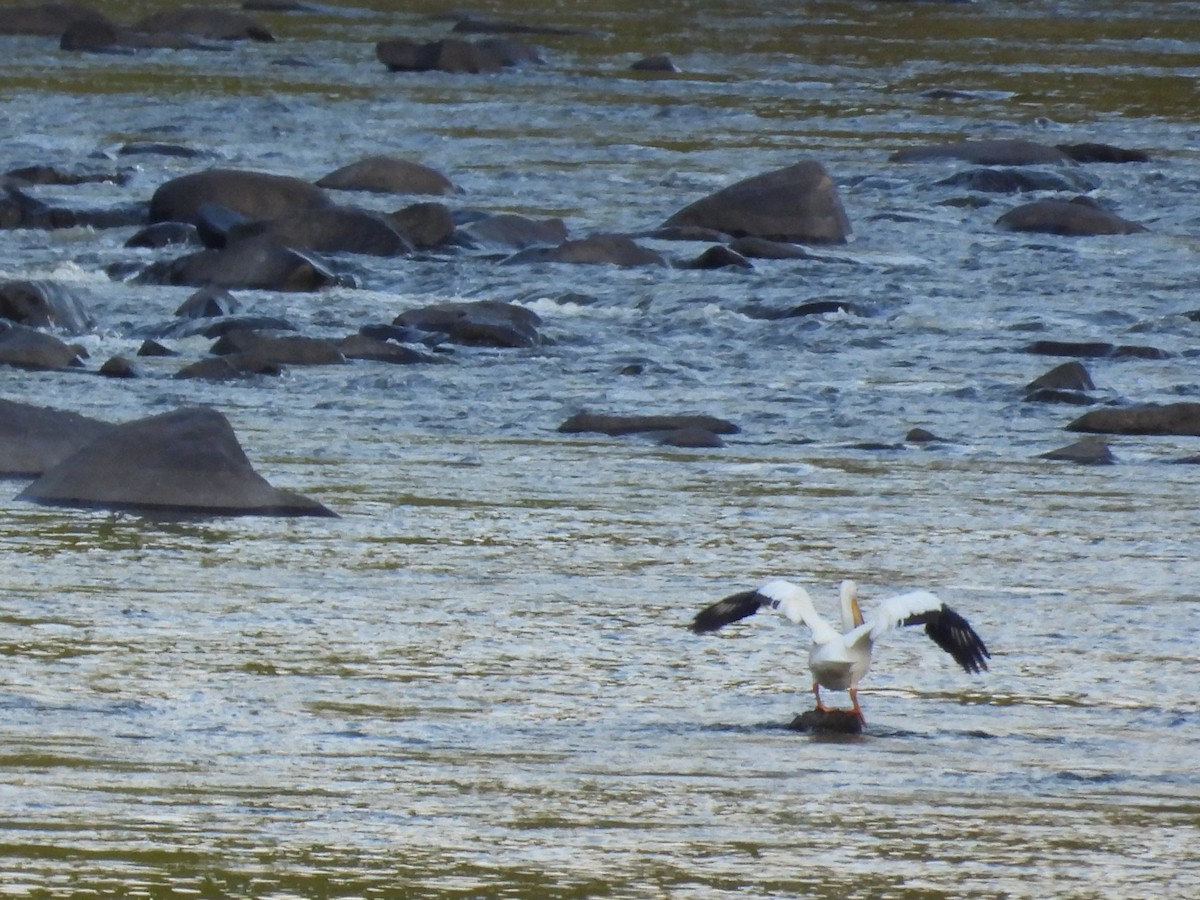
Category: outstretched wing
<point>789,599</point>
<point>725,612</point>
<point>948,629</point>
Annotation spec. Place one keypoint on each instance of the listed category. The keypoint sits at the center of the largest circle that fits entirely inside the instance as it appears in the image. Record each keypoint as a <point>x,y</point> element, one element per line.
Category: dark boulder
<point>35,438</point>
<point>105,37</point>
<point>119,367</point>
<point>1088,452</point>
<point>255,263</point>
<point>234,367</point>
<point>453,55</point>
<point>718,257</point>
<point>361,346</point>
<point>1102,153</point>
<point>1079,217</point>
<point>1079,349</point>
<point>599,249</point>
<point>165,234</point>
<point>388,175</point>
<point>186,461</point>
<point>1069,376</point>
<point>656,63</point>
<point>691,438</point>
<point>334,229</point>
<point>1169,418</point>
<point>511,231</point>
<point>424,225</point>
<point>48,19</point>
<point>27,348</point>
<point>798,203</point>
<point>614,426</point>
<point>986,153</point>
<point>208,303</point>
<point>207,22</point>
<point>273,351</point>
<point>480,323</point>
<point>44,304</point>
<point>761,248</point>
<point>828,721</point>
<point>19,210</point>
<point>255,195</point>
<point>1016,180</point>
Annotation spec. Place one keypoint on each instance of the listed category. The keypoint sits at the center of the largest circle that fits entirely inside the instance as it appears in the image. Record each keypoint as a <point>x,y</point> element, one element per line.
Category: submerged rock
<point>185,461</point>
<point>620,425</point>
<point>255,263</point>
<point>1007,152</point>
<point>599,249</point>
<point>36,438</point>
<point>454,55</point>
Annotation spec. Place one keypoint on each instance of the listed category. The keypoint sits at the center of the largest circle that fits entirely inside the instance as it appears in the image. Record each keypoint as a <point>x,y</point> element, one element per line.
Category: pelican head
<point>852,616</point>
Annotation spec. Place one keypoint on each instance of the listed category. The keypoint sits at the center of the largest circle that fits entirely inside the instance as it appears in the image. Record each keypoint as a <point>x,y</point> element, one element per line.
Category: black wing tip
<point>954,634</point>
<point>725,612</point>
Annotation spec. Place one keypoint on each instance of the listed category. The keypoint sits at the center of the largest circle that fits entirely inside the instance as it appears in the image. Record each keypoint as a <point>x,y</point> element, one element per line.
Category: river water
<point>478,681</point>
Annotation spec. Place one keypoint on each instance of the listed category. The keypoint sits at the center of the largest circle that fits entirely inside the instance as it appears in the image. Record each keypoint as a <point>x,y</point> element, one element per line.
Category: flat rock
<point>1169,418</point>
<point>830,721</point>
<point>47,19</point>
<point>274,350</point>
<point>334,229</point>
<point>185,461</point>
<point>209,22</point>
<point>619,425</point>
<point>797,203</point>
<point>36,438</point>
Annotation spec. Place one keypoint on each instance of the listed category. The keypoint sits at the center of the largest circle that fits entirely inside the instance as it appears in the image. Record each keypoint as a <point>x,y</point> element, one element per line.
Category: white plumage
<point>839,659</point>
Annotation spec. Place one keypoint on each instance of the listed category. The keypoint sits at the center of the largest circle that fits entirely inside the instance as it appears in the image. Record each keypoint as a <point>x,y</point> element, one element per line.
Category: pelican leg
<point>856,709</point>
<point>821,707</point>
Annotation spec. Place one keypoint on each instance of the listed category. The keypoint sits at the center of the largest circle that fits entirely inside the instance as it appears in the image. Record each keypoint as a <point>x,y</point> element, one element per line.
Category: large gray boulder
<point>28,348</point>
<point>35,438</point>
<point>256,195</point>
<point>185,461</point>
<point>798,203</point>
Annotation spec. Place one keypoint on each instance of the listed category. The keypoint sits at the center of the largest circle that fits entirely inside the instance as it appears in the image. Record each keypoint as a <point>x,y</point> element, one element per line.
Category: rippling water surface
<point>477,681</point>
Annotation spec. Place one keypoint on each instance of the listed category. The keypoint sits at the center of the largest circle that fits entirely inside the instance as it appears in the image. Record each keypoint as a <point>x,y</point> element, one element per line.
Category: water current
<point>478,681</point>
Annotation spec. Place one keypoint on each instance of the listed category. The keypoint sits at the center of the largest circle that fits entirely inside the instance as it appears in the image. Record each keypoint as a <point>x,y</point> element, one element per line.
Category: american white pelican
<point>839,660</point>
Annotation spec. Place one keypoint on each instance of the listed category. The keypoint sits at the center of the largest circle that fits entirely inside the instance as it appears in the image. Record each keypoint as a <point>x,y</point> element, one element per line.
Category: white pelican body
<point>839,659</point>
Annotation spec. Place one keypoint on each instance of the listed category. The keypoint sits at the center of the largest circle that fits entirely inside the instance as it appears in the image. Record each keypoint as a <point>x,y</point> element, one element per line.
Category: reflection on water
<point>478,681</point>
